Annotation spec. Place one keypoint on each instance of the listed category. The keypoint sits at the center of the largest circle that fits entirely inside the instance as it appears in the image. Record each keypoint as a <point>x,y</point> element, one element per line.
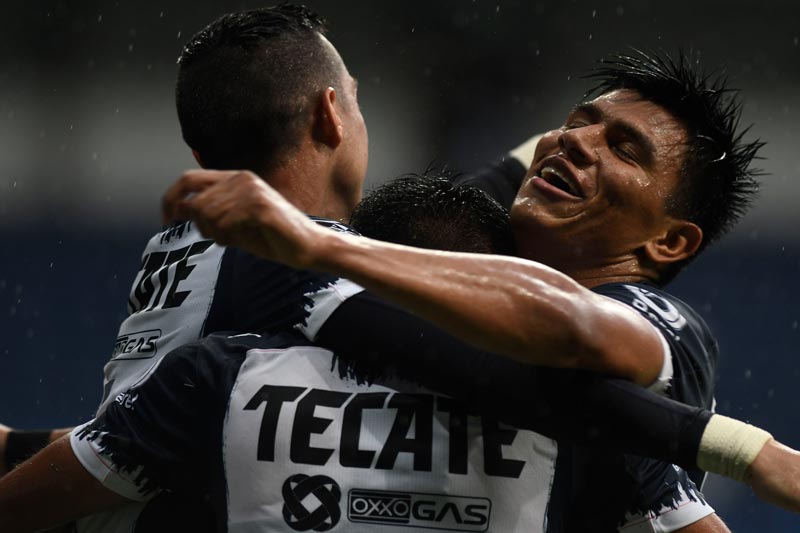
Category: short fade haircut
<point>247,83</point>
<point>717,185</point>
<point>428,211</point>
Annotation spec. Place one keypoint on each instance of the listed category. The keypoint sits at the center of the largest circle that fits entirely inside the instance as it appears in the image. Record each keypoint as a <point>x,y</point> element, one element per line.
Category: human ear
<point>197,158</point>
<point>680,241</point>
<point>328,126</point>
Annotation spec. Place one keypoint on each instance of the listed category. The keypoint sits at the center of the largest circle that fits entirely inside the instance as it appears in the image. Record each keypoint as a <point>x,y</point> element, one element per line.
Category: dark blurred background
<point>89,140</point>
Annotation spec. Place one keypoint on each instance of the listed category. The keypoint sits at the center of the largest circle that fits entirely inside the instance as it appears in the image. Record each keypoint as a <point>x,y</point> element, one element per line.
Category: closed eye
<point>626,151</point>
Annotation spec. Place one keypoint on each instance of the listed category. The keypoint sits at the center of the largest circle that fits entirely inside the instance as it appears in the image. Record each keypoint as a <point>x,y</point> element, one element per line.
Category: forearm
<point>517,308</point>
<point>18,445</point>
<point>50,489</point>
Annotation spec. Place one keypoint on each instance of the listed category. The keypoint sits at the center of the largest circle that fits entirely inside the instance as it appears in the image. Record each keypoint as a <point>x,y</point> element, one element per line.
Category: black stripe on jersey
<point>256,295</point>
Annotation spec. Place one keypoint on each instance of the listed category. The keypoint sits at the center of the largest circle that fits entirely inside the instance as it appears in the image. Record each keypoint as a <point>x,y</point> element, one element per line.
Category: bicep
<point>621,342</point>
<point>50,489</point>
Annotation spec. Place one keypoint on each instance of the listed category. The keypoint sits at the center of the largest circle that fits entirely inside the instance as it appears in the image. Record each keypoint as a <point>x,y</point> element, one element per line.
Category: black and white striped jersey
<point>282,443</point>
<point>188,287</point>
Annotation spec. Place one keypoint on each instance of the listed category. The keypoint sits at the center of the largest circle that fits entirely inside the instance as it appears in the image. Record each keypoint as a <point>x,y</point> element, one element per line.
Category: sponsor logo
<point>302,512</point>
<point>659,309</point>
<point>126,400</point>
<point>139,345</point>
<point>422,510</point>
<point>411,432</point>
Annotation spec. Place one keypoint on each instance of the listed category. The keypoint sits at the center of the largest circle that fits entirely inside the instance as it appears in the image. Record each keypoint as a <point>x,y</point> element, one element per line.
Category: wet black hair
<point>717,184</point>
<point>247,84</point>
<point>428,211</point>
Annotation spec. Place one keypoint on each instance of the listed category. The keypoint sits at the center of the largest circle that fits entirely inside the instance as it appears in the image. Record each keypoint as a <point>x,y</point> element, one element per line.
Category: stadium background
<point>89,140</point>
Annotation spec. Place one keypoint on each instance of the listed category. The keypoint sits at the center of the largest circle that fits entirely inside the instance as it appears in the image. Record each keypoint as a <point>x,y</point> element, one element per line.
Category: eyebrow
<point>629,130</point>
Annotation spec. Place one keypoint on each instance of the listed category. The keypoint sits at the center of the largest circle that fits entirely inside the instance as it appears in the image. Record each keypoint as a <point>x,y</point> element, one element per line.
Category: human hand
<point>237,208</point>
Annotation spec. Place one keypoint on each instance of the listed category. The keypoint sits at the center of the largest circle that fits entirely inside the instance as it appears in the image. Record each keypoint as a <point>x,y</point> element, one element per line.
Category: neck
<point>307,183</point>
<point>594,271</point>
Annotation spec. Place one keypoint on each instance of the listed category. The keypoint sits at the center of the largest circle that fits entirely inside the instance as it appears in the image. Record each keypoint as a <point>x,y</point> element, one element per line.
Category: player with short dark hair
<point>263,89</point>
<point>248,85</point>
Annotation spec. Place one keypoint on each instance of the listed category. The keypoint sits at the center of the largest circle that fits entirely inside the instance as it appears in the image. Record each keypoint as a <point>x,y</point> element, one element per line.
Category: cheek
<point>547,145</point>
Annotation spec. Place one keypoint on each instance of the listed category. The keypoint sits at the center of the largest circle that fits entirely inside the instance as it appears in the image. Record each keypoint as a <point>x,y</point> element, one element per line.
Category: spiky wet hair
<point>717,183</point>
<point>429,211</point>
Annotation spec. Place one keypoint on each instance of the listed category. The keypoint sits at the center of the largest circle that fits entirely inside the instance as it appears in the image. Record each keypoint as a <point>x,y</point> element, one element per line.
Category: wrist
<point>728,447</point>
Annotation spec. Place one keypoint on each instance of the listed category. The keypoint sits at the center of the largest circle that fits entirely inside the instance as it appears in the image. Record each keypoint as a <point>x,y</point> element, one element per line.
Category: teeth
<point>550,171</point>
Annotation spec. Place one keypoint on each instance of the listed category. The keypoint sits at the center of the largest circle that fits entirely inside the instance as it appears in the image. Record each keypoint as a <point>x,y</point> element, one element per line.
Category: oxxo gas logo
<point>413,509</point>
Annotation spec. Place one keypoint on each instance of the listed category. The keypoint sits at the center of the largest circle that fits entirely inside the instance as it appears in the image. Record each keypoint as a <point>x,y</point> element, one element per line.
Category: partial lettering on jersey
<point>658,309</point>
<point>174,296</point>
<point>168,303</point>
<point>305,450</point>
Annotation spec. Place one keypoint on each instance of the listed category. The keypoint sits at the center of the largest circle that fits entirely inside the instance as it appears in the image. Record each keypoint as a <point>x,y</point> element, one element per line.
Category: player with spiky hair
<point>611,207</point>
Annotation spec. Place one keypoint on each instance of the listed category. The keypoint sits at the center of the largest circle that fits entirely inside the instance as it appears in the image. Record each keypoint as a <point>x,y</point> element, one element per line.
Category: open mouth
<point>555,178</point>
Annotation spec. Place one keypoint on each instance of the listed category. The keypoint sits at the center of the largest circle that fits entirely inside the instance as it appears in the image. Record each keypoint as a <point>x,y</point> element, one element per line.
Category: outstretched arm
<point>513,307</point>
<point>53,477</point>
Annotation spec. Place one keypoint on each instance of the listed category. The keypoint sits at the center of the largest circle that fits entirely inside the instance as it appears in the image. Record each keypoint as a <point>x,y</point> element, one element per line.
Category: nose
<point>579,144</point>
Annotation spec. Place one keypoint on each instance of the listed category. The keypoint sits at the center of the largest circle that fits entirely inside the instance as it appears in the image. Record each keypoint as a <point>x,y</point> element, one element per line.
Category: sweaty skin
<point>262,222</point>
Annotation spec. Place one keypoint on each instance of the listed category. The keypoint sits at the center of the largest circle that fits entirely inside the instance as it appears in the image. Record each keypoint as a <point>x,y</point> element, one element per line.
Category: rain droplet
<point>497,9</point>
<point>594,13</point>
<point>99,18</point>
<point>796,41</point>
<point>130,47</point>
<point>179,35</point>
<point>747,374</point>
<point>161,15</point>
<point>620,11</point>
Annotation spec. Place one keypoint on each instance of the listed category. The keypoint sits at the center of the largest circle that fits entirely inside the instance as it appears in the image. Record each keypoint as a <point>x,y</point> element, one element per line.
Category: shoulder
<point>692,345</point>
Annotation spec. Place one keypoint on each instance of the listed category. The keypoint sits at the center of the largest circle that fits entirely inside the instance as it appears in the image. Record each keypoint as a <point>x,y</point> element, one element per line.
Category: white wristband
<point>729,446</point>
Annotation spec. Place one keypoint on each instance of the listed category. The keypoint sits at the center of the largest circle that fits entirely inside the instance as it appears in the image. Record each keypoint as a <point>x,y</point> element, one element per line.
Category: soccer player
<point>640,178</point>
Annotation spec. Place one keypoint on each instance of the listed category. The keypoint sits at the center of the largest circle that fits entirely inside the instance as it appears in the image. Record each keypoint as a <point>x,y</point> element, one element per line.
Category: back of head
<point>428,211</point>
<point>247,84</point>
<point>716,184</point>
